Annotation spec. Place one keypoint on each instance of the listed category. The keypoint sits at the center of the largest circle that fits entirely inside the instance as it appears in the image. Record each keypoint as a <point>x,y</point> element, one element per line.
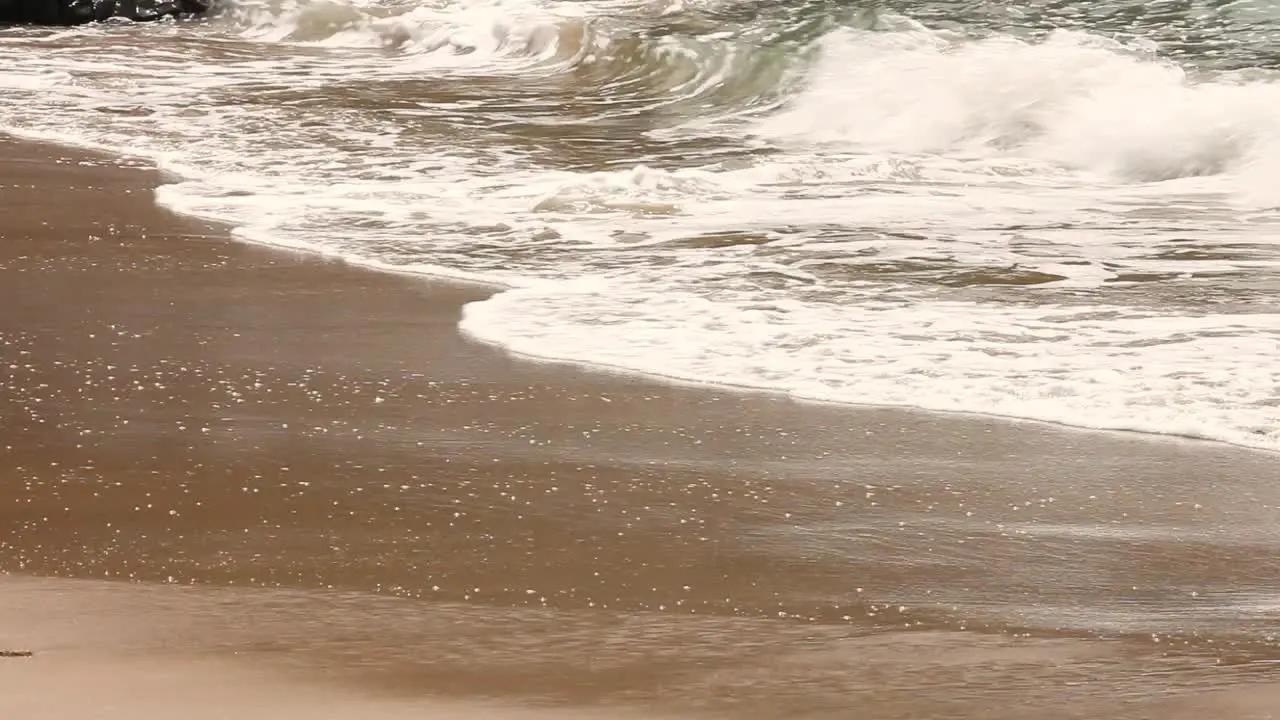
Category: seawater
<point>1056,211</point>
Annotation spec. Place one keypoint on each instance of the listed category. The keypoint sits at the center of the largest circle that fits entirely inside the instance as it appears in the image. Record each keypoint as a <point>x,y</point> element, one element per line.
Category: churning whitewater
<point>1066,212</point>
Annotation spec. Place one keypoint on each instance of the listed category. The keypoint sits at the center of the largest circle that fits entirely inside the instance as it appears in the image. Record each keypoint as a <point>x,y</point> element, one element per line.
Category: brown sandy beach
<point>329,503</point>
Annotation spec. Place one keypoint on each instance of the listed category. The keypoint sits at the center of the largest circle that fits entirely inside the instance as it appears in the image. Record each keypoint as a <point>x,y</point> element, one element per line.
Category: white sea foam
<point>1073,100</point>
<point>1190,376</point>
<point>845,241</point>
<point>474,34</point>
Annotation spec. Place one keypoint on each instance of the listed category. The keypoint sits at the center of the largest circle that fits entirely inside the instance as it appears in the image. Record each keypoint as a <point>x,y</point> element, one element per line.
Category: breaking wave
<point>857,205</point>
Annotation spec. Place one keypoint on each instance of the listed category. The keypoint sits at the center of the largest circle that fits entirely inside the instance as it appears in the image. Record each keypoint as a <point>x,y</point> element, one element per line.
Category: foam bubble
<point>1070,229</point>
<point>1073,99</point>
<point>640,189</point>
<point>467,35</point>
<point>1190,376</point>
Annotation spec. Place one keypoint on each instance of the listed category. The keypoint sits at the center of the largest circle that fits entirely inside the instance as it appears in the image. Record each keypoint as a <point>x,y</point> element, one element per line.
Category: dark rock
<point>78,12</point>
<point>15,653</point>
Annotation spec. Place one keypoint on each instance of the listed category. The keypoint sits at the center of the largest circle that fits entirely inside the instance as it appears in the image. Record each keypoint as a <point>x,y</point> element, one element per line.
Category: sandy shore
<point>330,498</point>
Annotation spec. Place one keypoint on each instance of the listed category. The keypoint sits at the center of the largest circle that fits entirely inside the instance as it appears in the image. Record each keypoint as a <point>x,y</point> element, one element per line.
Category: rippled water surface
<point>1051,210</point>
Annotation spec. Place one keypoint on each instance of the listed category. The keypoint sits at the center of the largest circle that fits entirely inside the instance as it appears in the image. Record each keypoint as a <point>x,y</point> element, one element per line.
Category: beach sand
<point>244,481</point>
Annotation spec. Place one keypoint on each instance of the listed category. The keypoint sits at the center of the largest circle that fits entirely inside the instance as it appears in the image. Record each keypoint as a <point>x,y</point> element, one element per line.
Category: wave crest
<point>1073,99</point>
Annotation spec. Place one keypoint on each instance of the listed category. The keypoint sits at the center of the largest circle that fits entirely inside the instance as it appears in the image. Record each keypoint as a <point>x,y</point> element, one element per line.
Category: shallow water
<point>1056,211</point>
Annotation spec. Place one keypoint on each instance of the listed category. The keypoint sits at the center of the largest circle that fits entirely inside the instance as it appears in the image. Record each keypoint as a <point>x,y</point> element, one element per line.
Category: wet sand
<point>313,482</point>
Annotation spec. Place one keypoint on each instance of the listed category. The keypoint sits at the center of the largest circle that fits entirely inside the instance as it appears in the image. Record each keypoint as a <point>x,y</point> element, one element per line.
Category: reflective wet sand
<point>318,484</point>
